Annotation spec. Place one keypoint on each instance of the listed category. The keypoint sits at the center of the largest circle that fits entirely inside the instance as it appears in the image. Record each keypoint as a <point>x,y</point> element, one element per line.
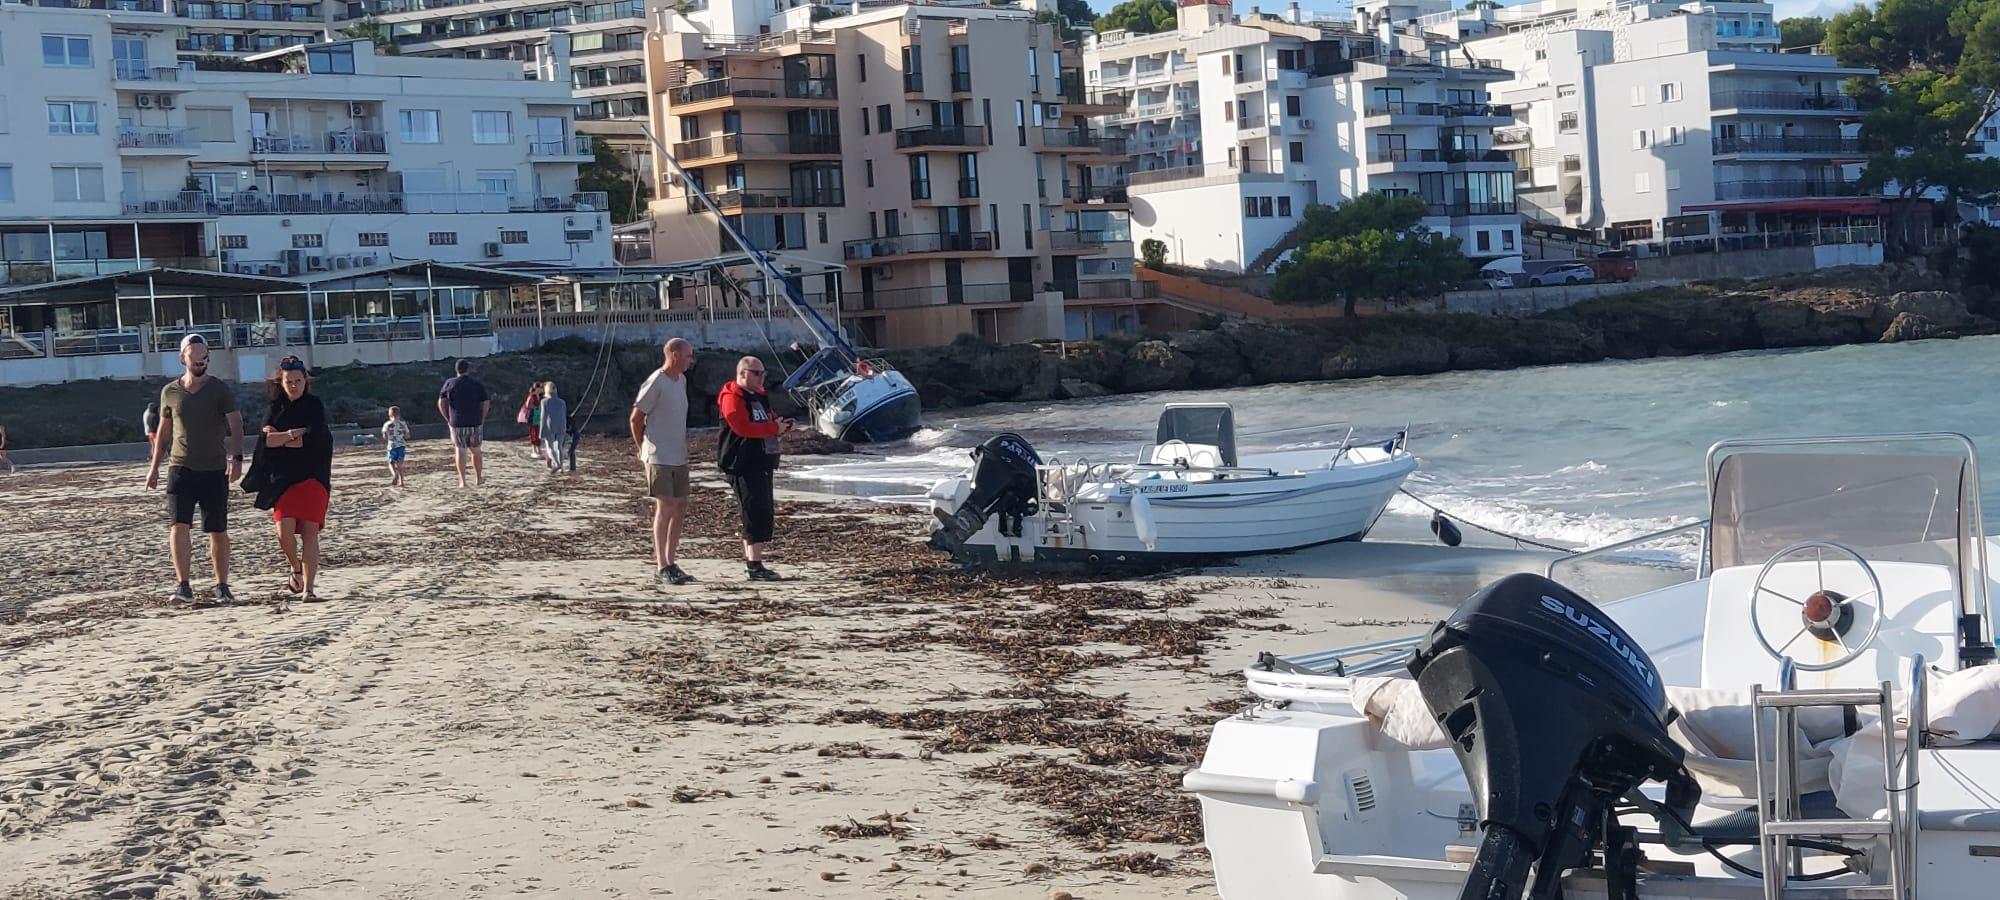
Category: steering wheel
<point>1173,452</point>
<point>1827,614</point>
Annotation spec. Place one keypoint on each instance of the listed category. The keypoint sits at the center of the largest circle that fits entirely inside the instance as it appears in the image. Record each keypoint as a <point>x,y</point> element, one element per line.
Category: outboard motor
<point>1555,713</point>
<point>1003,484</point>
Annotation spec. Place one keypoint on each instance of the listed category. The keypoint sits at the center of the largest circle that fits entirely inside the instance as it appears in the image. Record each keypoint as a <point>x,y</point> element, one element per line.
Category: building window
<point>861,66</point>
<point>1542,53</point>
<point>1292,105</point>
<point>868,172</point>
<point>212,123</point>
<point>1298,149</point>
<point>233,241</point>
<point>334,60</point>
<point>373,239</point>
<point>1021,122</point>
<point>1670,92</point>
<point>491,127</point>
<point>1673,179</point>
<point>72,117</point>
<point>1989,133</point>
<point>1228,111</point>
<point>496,181</point>
<point>920,176</point>
<point>1565,90</point>
<point>419,126</point>
<point>1638,96</point>
<point>1264,207</point>
<point>1642,139</point>
<point>1484,240</point>
<point>1642,183</point>
<point>1676,136</point>
<point>308,241</point>
<point>822,228</point>
<point>1507,239</point>
<point>1225,63</point>
<point>1250,207</point>
<point>513,237</point>
<point>444,238</point>
<point>77,184</point>
<point>1284,207</point>
<point>66,50</point>
<point>1566,122</point>
<point>1028,225</point>
<point>865,117</point>
<point>882,123</point>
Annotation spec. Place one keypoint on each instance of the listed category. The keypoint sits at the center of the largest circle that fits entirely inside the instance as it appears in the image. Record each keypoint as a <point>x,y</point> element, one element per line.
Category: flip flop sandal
<point>298,582</point>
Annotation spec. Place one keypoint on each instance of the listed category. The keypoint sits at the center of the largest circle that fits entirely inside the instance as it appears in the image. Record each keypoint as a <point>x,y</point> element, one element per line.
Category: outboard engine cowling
<point>1003,484</point>
<point>1554,713</point>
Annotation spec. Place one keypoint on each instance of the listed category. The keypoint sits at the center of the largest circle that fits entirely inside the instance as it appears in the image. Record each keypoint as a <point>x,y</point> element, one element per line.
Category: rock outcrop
<point>1908,326</point>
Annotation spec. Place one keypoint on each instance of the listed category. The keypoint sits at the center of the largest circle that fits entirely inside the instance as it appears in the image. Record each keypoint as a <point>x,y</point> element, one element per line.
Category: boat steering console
<point>1826,614</point>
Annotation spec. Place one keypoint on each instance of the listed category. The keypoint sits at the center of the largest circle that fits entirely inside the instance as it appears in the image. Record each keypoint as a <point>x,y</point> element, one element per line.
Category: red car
<point>1614,265</point>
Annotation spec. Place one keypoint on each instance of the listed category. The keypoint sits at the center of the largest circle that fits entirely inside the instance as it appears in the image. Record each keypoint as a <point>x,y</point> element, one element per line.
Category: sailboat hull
<point>871,410</point>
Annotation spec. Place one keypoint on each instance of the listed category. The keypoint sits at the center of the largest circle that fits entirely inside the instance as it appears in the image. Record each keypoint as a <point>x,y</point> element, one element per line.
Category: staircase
<point>1269,257</point>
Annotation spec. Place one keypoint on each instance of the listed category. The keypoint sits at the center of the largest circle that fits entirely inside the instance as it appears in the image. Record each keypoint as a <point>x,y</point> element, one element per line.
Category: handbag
<point>521,418</point>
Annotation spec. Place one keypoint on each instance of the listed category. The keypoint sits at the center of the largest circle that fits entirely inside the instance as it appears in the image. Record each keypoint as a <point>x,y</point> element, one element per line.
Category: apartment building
<point>1664,124</point>
<point>925,148</point>
<point>310,159</point>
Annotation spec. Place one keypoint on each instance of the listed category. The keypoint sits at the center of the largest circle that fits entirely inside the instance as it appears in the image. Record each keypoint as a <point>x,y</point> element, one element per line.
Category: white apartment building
<point>310,159</point>
<point>213,27</point>
<point>925,148</point>
<point>1644,122</point>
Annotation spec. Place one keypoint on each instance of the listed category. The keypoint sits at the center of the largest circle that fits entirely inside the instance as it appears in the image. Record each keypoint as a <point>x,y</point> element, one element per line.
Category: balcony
<point>1078,101</point>
<point>961,82</point>
<point>1097,194</point>
<point>1402,108</point>
<point>1465,209</point>
<point>42,271</point>
<point>1383,65</point>
<point>148,6</point>
<point>1786,145</point>
<point>720,93</point>
<point>968,189</point>
<point>1784,190</point>
<point>1250,123</point>
<point>1477,111</point>
<point>1567,123</point>
<point>1517,135</point>
<point>251,203</point>
<point>562,149</point>
<point>1388,160</point>
<point>137,70</point>
<point>339,144</point>
<point>1790,101</point>
<point>1082,142</point>
<point>947,137</point>
<point>1572,164</point>
<point>143,141</point>
<point>734,199</point>
<point>936,295</point>
<point>1573,203</point>
<point>1475,156</point>
<point>1255,170</point>
<point>959,242</point>
<point>913,82</point>
<point>1085,241</point>
<point>723,147</point>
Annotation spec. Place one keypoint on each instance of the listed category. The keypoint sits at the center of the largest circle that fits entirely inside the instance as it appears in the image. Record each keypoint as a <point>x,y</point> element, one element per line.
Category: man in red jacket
<point>747,454</point>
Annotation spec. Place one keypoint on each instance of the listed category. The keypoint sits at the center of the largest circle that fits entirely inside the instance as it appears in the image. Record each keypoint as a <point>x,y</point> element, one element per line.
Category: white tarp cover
<point>1714,729</point>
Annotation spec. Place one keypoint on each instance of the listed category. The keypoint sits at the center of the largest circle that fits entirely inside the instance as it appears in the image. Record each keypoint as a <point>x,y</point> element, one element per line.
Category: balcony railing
<point>1080,240</point>
<point>902,245</point>
<point>1783,190</point>
<point>1083,139</point>
<point>1108,290</point>
<point>936,295</point>
<point>40,271</point>
<point>1477,111</point>
<point>1465,208</point>
<point>961,82</point>
<point>1567,122</point>
<point>777,144</point>
<point>753,89</point>
<point>767,198</point>
<point>1402,108</point>
<point>1403,154</point>
<point>1789,100</point>
<point>941,136</point>
<point>139,70</point>
<point>1096,193</point>
<point>1787,144</point>
<point>1454,155</point>
<point>968,189</point>
<point>1209,170</point>
<point>138,138</point>
<point>1245,123</point>
<point>1442,61</point>
<point>575,146</point>
<point>1572,164</point>
<point>329,143</point>
<point>182,203</point>
<point>1573,204</point>
<point>151,6</point>
<point>1517,135</point>
<point>913,82</point>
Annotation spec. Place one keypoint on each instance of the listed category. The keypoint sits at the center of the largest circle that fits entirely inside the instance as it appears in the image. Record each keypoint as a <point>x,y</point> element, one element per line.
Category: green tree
<point>1802,32</point>
<point>1153,252</point>
<point>1476,5</point>
<point>608,172</point>
<point>1140,17</point>
<point>1916,138</point>
<point>1370,248</point>
<point>1898,35</point>
<point>377,33</point>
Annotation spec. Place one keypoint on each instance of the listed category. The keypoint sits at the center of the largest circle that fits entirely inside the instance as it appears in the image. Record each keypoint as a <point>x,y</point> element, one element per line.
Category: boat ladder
<point>1779,819</point>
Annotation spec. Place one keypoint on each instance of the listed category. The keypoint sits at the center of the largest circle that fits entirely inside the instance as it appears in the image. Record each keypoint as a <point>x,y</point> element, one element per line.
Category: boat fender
<point>1447,533</point>
<point>1142,520</point>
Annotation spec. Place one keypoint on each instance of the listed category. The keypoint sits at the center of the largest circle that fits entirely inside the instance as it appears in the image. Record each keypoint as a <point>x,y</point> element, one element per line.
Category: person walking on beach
<point>298,461</point>
<point>150,421</point>
<point>3,451</point>
<point>531,416</point>
<point>747,454</point>
<point>659,436</point>
<point>396,437</point>
<point>463,404</point>
<point>196,412</point>
<point>555,426</point>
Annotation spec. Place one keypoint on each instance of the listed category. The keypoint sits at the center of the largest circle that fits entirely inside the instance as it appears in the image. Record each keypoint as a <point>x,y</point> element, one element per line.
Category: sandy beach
<point>500,701</point>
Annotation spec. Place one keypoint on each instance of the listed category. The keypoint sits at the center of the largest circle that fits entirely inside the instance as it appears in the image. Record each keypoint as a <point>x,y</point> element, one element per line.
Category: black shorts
<point>753,501</point>
<point>188,488</point>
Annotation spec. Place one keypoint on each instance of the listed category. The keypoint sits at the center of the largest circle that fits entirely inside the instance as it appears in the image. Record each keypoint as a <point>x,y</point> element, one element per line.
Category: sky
<point>1785,9</point>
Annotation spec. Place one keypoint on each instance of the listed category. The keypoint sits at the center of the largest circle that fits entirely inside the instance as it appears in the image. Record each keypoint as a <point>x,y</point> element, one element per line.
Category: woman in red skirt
<point>298,456</point>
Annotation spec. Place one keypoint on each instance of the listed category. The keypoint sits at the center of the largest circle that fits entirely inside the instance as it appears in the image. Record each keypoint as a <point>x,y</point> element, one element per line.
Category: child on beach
<point>396,437</point>
<point>531,416</point>
<point>554,426</point>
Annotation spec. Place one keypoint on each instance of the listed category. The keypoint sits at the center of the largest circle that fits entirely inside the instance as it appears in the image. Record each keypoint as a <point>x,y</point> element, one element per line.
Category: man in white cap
<point>196,412</point>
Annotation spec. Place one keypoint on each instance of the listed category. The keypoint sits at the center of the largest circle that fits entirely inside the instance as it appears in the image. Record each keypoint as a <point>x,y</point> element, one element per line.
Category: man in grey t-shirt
<point>659,436</point>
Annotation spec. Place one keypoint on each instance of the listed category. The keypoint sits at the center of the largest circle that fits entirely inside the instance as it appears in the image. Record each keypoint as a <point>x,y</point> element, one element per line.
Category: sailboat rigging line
<point>1517,539</point>
<point>604,345</point>
<point>822,330</point>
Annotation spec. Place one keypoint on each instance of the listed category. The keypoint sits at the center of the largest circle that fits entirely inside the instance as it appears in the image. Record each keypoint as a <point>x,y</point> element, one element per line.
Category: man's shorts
<point>467,438</point>
<point>398,453</point>
<point>188,489</point>
<point>667,482</point>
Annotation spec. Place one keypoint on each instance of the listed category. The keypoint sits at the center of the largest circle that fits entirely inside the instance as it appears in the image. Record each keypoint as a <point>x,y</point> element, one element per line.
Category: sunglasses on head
<point>291,364</point>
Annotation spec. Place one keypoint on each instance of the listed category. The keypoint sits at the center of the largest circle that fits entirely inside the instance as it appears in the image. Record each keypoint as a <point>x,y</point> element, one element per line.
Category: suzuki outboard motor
<point>1003,484</point>
<point>1555,713</point>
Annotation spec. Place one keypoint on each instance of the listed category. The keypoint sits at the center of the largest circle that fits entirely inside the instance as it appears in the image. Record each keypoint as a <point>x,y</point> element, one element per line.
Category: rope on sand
<point>1517,539</point>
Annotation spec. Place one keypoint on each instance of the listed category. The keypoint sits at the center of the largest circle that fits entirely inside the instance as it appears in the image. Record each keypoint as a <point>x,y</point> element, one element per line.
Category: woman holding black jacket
<point>296,468</point>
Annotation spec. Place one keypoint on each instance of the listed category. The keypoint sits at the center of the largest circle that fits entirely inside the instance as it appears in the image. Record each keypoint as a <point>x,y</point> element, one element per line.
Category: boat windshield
<point>1905,498</point>
<point>828,364</point>
<point>1210,424</point>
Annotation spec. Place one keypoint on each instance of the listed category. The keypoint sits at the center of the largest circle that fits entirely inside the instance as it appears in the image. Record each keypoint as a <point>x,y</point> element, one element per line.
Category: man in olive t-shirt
<point>196,412</point>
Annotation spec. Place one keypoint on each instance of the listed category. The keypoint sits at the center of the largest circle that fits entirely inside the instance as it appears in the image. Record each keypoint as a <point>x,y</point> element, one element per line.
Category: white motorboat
<point>1188,496</point>
<point>1815,714</point>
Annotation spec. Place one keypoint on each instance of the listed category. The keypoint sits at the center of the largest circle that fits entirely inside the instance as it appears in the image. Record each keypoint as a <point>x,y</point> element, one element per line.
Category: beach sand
<point>500,701</point>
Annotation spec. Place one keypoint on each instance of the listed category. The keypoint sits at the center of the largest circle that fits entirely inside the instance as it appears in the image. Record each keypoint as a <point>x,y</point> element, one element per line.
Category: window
<point>1670,92</point>
<point>496,181</point>
<point>334,60</point>
<point>3,115</point>
<point>861,66</point>
<point>868,172</point>
<point>72,117</point>
<point>1673,179</point>
<point>374,239</point>
<point>1989,133</point>
<point>1264,207</point>
<point>1028,225</point>
<point>1229,111</point>
<point>822,228</point>
<point>1250,207</point>
<point>865,118</point>
<point>1484,240</point>
<point>1642,183</point>
<point>1566,122</point>
<point>1642,139</point>
<point>1507,239</point>
<point>1292,105</point>
<point>77,184</point>
<point>1676,136</point>
<point>1232,153</point>
<point>491,127</point>
<point>920,176</point>
<point>882,122</point>
<point>308,241</point>
<point>1225,63</point>
<point>1638,96</point>
<point>66,50</point>
<point>1298,149</point>
<point>233,241</point>
<point>513,237</point>
<point>1542,53</point>
<point>444,238</point>
<point>212,123</point>
<point>1284,207</point>
<point>419,126</point>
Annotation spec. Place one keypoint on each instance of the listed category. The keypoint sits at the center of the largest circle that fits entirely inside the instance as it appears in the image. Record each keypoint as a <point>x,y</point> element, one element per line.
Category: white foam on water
<point>916,470</point>
<point>1571,529</point>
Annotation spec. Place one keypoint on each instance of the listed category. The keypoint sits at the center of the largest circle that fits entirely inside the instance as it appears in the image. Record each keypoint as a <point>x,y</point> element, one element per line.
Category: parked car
<point>1614,265</point>
<point>1497,280</point>
<point>1565,273</point>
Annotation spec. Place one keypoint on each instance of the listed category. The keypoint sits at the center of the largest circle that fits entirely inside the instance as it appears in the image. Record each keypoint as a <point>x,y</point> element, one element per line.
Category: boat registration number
<point>1129,489</point>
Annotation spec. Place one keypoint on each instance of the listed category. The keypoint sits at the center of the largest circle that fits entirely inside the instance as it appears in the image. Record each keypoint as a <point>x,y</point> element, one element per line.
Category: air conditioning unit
<point>316,263</point>
<point>492,249</point>
<point>885,273</point>
<point>1305,124</point>
<point>1053,110</point>
<point>166,101</point>
<point>357,110</point>
<point>341,262</point>
<point>364,260</point>
<point>145,101</point>
<point>229,257</point>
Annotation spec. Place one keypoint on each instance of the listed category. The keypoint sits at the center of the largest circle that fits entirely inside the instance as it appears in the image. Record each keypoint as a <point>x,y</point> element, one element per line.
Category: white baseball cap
<point>193,340</point>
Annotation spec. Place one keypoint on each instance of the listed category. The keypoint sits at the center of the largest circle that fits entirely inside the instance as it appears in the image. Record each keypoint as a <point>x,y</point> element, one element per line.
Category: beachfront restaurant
<point>129,324</point>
